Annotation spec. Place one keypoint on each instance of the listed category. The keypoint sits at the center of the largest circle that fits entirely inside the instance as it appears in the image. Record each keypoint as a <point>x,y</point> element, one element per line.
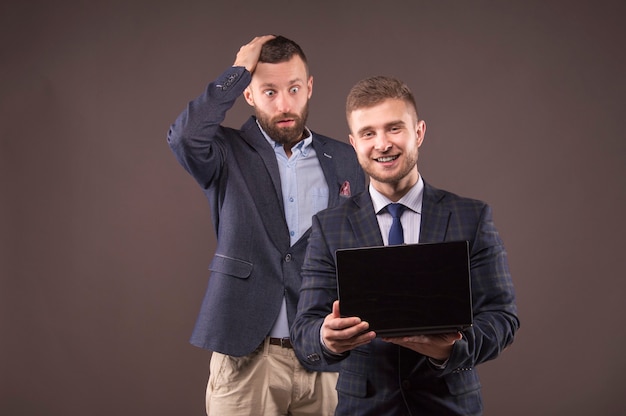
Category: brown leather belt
<point>283,342</point>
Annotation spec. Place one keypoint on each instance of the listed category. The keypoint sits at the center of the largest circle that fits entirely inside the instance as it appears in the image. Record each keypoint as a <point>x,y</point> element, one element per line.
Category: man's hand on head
<point>248,54</point>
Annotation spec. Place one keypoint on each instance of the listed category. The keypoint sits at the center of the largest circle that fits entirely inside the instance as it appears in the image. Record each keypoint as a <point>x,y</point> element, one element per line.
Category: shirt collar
<point>303,145</point>
<point>412,199</point>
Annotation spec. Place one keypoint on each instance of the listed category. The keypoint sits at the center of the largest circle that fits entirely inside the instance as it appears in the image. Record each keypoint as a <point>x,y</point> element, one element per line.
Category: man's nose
<point>382,142</point>
<point>283,103</point>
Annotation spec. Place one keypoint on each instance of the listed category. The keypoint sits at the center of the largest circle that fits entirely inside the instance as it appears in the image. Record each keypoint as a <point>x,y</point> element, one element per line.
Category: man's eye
<point>294,90</point>
<point>270,93</point>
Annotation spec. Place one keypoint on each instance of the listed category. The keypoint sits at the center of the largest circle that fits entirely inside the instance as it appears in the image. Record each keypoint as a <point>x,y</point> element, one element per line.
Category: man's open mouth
<point>386,159</point>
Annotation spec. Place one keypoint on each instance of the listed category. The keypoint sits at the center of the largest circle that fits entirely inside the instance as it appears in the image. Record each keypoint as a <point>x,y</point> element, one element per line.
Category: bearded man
<point>264,182</point>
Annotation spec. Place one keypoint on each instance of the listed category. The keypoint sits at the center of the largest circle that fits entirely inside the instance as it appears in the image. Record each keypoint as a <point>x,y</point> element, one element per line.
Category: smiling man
<point>264,182</point>
<point>416,375</point>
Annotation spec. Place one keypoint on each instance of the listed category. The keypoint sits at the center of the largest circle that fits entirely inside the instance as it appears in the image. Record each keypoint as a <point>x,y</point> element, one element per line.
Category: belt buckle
<point>285,343</point>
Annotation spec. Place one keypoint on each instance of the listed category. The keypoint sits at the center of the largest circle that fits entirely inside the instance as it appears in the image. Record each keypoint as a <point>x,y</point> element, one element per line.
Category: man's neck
<point>396,190</point>
<point>288,146</point>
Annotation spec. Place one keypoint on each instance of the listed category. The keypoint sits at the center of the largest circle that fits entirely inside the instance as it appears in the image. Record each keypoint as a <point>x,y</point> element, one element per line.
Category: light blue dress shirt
<point>305,192</point>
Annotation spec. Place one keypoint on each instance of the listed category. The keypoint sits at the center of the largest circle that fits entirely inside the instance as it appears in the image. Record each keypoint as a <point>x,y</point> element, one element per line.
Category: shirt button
<point>288,258</point>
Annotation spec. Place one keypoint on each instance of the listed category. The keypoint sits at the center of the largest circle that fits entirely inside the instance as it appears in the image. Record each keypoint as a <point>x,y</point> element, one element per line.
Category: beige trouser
<point>270,381</point>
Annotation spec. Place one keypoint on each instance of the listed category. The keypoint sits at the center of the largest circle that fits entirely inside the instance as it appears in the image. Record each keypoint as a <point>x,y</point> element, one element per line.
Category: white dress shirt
<point>411,217</point>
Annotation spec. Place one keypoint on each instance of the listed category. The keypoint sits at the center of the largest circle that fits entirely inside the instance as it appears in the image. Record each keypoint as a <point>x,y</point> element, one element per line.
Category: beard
<point>370,168</point>
<point>284,135</point>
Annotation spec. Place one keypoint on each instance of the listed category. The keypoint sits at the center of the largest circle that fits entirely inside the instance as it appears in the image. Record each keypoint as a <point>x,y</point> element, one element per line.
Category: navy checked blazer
<point>381,378</point>
<point>254,265</point>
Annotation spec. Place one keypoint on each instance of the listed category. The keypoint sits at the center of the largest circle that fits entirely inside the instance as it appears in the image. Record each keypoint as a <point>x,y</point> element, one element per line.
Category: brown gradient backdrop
<point>106,240</point>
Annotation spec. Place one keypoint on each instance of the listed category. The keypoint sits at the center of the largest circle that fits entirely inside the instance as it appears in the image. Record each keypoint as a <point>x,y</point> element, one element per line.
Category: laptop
<point>407,289</point>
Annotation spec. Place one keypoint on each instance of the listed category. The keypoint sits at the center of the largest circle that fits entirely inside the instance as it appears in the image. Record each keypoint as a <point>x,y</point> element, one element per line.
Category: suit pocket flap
<point>231,266</point>
<point>462,382</point>
<point>352,384</point>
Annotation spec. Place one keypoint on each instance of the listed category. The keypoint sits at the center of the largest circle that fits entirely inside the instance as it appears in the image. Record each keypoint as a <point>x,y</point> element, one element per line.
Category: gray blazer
<point>254,265</point>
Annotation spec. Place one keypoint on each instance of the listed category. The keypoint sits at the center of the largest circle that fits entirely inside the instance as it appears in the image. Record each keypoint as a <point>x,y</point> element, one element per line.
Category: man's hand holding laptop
<point>344,334</point>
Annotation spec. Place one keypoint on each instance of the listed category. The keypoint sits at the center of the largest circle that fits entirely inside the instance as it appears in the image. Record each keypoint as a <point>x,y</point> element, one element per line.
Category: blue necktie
<point>396,234</point>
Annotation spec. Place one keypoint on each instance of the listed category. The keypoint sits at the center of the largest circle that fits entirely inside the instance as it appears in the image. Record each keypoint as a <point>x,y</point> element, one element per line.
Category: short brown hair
<point>280,49</point>
<point>372,91</point>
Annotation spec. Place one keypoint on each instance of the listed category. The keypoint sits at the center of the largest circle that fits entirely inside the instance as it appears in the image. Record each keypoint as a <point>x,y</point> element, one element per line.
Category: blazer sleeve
<point>196,137</point>
<point>317,294</point>
<point>493,296</point>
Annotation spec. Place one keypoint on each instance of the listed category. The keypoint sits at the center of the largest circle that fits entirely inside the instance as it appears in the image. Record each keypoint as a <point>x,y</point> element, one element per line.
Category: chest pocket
<point>319,199</point>
<point>352,384</point>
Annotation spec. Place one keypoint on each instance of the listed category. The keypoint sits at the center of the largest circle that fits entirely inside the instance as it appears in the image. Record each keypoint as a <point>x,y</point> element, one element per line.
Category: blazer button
<point>287,258</point>
<point>313,357</point>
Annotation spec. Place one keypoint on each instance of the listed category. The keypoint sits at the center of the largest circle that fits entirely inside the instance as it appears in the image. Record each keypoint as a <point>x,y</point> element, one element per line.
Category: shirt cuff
<point>438,364</point>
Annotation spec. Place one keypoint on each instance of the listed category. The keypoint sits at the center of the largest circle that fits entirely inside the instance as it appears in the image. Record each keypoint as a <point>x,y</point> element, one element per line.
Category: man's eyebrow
<point>268,85</point>
<point>272,85</point>
<point>363,130</point>
<point>394,123</point>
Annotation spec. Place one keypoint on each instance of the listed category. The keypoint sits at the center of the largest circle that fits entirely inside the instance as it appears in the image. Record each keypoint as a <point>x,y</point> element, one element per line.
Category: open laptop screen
<point>407,289</point>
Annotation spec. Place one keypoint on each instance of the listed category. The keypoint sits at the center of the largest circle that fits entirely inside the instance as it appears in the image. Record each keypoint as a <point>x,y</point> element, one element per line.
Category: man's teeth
<point>386,159</point>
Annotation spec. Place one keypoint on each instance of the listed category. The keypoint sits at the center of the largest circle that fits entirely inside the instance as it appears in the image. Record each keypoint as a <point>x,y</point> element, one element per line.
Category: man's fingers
<point>263,38</point>
<point>346,324</point>
<point>341,343</point>
<point>248,54</point>
<point>447,338</point>
<point>343,334</point>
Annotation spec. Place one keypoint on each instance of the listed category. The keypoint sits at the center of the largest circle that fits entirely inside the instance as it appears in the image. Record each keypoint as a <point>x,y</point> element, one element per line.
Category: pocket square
<point>345,189</point>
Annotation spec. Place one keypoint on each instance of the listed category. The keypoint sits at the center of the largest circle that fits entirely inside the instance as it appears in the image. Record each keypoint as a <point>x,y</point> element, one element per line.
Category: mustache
<point>285,116</point>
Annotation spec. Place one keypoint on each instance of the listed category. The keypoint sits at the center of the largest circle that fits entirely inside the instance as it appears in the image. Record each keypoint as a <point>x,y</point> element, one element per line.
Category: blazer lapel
<point>253,136</point>
<point>364,223</point>
<point>267,194</point>
<point>435,217</point>
<point>327,164</point>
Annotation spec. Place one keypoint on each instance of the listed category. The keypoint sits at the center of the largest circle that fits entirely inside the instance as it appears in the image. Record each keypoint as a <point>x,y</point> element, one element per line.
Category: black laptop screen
<point>407,289</point>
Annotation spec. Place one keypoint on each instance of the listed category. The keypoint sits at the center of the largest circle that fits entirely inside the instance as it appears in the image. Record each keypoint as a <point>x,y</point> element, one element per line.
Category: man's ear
<point>247,94</point>
<point>351,140</point>
<point>421,132</point>
<point>310,85</point>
